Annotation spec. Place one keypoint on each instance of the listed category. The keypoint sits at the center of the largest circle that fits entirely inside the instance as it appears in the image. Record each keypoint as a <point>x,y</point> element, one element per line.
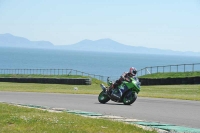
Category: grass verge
<point>183,92</point>
<point>94,80</point>
<point>16,119</point>
<point>172,75</point>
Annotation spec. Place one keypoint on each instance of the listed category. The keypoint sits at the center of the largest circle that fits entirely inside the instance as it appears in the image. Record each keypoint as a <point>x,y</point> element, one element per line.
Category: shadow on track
<point>113,104</point>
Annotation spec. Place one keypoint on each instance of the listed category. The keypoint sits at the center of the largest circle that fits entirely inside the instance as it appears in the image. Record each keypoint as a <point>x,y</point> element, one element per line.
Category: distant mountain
<point>102,45</point>
<point>108,45</point>
<point>9,40</point>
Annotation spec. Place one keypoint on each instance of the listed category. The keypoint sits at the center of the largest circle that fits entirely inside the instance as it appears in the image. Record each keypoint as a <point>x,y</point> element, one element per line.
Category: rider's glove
<point>127,79</point>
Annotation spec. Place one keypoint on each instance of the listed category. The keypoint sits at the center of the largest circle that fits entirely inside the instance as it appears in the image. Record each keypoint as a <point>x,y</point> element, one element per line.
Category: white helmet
<point>133,71</point>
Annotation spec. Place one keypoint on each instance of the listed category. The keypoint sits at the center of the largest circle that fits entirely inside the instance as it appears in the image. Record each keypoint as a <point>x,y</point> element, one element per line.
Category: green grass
<point>14,119</point>
<point>94,80</point>
<point>50,88</point>
<point>41,76</point>
<point>172,75</point>
<point>19,119</point>
<point>184,92</point>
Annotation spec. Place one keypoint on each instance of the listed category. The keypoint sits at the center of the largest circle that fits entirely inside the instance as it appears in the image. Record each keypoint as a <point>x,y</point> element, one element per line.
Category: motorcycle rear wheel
<point>129,98</point>
<point>103,97</point>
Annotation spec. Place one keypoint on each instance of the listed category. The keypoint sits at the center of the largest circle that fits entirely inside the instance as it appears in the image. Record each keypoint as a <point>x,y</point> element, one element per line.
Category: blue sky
<point>163,24</point>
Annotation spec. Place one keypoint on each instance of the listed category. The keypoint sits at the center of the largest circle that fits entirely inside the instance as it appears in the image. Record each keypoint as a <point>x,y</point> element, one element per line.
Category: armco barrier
<point>71,81</point>
<point>170,81</point>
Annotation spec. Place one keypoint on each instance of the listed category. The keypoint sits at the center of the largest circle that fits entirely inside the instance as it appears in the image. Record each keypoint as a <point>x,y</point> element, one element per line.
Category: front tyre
<point>103,97</point>
<point>129,98</point>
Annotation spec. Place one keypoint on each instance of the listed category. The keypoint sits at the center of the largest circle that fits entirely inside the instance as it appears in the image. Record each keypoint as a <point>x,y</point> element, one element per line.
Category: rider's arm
<point>127,77</point>
<point>119,81</point>
<point>122,77</point>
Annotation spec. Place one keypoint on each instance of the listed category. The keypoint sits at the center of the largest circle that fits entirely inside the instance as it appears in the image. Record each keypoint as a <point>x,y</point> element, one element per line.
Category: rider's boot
<point>103,87</point>
<point>109,90</point>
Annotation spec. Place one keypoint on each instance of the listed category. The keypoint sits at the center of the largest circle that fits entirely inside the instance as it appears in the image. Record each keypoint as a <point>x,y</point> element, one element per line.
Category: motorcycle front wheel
<point>129,98</point>
<point>103,97</point>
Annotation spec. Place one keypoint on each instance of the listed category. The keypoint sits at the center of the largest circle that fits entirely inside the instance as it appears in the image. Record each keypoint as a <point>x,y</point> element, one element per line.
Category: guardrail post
<point>184,67</point>
<point>163,69</point>
<point>192,67</point>
<point>157,69</point>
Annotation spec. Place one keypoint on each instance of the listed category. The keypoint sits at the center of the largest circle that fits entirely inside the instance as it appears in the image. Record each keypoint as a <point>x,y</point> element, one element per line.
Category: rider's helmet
<point>133,71</point>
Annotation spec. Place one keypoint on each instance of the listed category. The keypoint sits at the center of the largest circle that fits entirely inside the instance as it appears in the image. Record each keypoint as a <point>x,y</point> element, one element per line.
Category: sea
<point>98,63</point>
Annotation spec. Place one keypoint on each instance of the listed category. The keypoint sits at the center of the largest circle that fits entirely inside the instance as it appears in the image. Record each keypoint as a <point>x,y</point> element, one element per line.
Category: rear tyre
<point>103,97</point>
<point>129,98</point>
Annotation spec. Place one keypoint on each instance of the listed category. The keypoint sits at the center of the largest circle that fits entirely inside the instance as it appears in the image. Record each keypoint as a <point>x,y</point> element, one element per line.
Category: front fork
<point>103,87</point>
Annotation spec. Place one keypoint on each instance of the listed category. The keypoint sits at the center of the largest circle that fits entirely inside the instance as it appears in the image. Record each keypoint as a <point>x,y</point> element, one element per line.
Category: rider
<point>124,77</point>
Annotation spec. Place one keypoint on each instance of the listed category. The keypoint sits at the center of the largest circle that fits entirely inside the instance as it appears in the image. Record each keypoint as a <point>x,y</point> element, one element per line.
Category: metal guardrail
<point>170,81</point>
<point>169,68</point>
<point>50,72</point>
<point>71,81</point>
<point>147,70</point>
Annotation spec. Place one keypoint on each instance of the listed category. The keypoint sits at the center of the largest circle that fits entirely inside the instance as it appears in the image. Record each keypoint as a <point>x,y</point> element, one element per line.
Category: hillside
<point>8,40</point>
<point>101,45</point>
<point>108,45</point>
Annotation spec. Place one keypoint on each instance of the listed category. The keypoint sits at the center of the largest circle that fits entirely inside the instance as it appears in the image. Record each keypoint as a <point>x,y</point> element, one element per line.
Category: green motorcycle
<point>126,92</point>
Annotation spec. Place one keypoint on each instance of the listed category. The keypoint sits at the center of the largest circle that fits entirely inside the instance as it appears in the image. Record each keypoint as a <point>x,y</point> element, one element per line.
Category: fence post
<point>192,67</point>
<point>157,69</point>
<point>184,67</point>
<point>163,69</point>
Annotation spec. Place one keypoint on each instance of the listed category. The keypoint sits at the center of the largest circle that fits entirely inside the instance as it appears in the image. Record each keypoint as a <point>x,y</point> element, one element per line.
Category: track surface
<point>178,112</point>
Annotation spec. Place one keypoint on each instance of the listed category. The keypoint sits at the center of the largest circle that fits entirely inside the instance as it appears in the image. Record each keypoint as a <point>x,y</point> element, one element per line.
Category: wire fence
<point>147,70</point>
<point>50,72</point>
<point>169,68</point>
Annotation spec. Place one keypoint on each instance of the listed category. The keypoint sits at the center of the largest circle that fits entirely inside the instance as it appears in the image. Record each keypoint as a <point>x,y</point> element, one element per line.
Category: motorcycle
<point>126,92</point>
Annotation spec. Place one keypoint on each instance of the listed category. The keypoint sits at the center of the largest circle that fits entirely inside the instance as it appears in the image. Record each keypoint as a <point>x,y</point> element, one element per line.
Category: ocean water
<point>99,63</point>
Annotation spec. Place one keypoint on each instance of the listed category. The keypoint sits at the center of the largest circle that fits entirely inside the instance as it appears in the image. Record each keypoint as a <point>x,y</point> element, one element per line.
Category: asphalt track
<point>179,112</point>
